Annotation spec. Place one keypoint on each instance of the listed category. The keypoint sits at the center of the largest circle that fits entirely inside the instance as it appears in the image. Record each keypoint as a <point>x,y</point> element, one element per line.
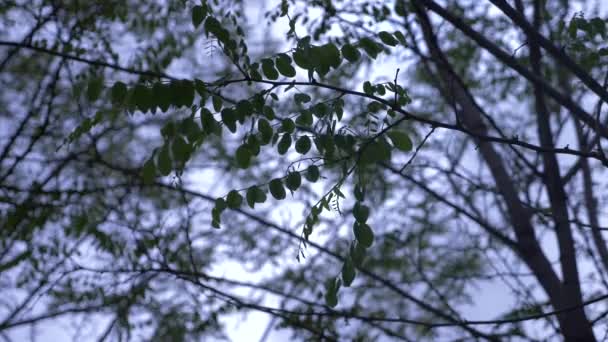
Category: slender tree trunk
<point>567,294</point>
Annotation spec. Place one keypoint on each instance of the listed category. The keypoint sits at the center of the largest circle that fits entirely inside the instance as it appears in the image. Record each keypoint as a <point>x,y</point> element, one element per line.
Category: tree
<point>419,149</point>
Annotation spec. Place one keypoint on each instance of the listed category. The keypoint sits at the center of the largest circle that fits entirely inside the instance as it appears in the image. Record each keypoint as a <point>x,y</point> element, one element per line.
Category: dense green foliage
<point>355,170</point>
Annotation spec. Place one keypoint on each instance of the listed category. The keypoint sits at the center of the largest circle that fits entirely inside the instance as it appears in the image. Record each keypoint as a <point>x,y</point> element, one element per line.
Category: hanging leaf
<point>367,88</point>
<point>243,157</point>
<point>142,97</point>
<point>268,112</point>
<point>288,126</point>
<point>283,64</point>
<point>351,53</point>
<point>268,68</point>
<point>253,145</point>
<point>293,181</point>
<point>312,173</point>
<point>94,88</point>
<point>330,55</point>
<point>148,171</point>
<point>265,130</point>
<point>303,145</point>
<point>363,234</point>
<point>387,38</point>
<point>400,140</point>
<point>198,15</point>
<point>305,118</point>
<point>119,93</point>
<point>360,212</point>
<point>163,162</point>
<point>229,119</point>
<point>181,150</point>
<point>370,47</point>
<point>276,189</point>
<point>301,98</point>
<point>161,95</point>
<point>255,195</point>
<point>234,199</point>
<point>284,144</point>
<point>217,103</point>
<point>332,286</point>
<point>348,272</point>
<point>375,152</point>
<point>359,193</point>
<point>357,253</point>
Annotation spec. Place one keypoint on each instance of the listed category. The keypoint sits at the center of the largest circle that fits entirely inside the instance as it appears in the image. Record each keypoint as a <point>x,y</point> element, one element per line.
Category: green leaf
<point>243,109</point>
<point>361,212</point>
<point>302,59</point>
<point>348,272</point>
<point>119,93</point>
<point>293,180</point>
<point>94,88</point>
<point>268,112</point>
<point>320,110</point>
<point>162,96</point>
<point>330,55</point>
<point>255,195</point>
<point>214,27</point>
<point>181,150</point>
<point>303,145</point>
<point>220,204</point>
<point>283,64</point>
<point>312,173</point>
<point>400,37</point>
<point>305,118</point>
<point>301,98</point>
<point>332,286</point>
<point>190,129</point>
<point>253,145</point>
<point>243,157</point>
<point>148,171</point>
<point>265,130</point>
<point>163,162</point>
<point>359,193</point>
<point>331,299</point>
<point>208,121</point>
<point>198,14</point>
<point>276,189</point>
<point>375,152</point>
<point>400,140</point>
<point>351,53</point>
<point>217,103</point>
<point>234,199</point>
<point>363,234</point>
<point>142,97</point>
<point>229,119</point>
<point>268,69</point>
<point>387,38</point>
<point>357,253</point>
<point>201,88</point>
<point>370,47</point>
<point>284,144</point>
<point>288,126</point>
<point>169,130</point>
<point>400,8</point>
<point>367,88</point>
<point>572,28</point>
<point>183,92</point>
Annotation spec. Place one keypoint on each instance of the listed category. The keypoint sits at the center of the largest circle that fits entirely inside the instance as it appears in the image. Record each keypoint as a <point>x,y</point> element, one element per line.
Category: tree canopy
<point>353,170</point>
